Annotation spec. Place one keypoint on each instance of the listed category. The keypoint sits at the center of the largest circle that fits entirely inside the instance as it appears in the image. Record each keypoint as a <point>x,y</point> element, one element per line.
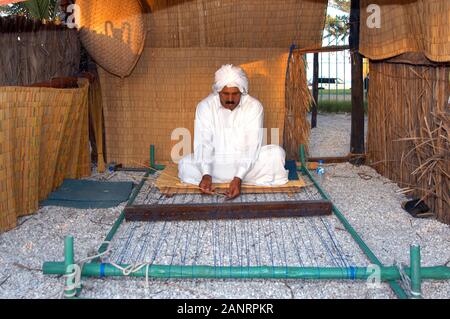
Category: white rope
<point>131,269</point>
<point>126,271</point>
<point>406,280</point>
<point>73,280</point>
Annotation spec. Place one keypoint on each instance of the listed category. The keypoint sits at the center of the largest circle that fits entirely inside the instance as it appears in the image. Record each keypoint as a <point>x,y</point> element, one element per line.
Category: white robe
<point>228,144</point>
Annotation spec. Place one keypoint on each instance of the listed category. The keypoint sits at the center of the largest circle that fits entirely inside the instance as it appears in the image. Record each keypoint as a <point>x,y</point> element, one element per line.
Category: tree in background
<point>36,9</point>
<point>338,27</point>
<point>343,5</point>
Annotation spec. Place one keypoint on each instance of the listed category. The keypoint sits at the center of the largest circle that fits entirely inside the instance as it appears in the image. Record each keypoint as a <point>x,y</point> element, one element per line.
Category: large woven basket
<point>113,32</point>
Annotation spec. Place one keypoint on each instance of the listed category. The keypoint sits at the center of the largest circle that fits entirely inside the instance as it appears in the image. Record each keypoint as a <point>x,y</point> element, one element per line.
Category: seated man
<point>228,139</point>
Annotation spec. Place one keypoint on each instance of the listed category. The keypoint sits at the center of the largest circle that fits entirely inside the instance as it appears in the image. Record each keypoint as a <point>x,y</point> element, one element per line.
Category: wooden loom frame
<point>224,210</point>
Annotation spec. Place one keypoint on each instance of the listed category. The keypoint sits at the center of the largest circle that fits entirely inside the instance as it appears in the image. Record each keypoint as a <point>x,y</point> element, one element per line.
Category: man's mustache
<point>229,102</point>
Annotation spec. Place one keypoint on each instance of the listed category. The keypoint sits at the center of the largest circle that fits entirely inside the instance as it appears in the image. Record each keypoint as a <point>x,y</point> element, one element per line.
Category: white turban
<point>230,76</point>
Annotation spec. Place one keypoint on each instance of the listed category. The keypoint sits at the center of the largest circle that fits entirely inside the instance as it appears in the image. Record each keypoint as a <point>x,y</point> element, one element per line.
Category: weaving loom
<point>255,242</point>
<point>183,239</point>
<point>277,242</point>
<point>168,199</point>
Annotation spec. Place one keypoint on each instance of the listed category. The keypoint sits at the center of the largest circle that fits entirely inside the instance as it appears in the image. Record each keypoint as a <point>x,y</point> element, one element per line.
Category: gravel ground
<point>371,206</point>
<point>332,135</point>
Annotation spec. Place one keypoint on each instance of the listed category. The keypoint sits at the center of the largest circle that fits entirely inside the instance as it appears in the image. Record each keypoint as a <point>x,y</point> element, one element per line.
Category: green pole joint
<point>416,276</point>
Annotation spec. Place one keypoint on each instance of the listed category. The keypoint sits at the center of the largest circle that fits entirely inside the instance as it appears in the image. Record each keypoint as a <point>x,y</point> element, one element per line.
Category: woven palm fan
<point>113,33</point>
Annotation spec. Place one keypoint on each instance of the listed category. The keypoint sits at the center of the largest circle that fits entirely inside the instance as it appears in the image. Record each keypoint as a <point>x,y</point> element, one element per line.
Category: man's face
<point>230,98</point>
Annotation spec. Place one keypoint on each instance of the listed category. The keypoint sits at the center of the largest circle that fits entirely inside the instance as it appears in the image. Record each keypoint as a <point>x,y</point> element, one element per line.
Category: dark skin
<point>230,99</point>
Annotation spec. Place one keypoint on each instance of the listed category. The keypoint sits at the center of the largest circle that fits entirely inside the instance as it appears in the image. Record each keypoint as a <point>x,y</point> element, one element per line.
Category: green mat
<point>86,194</point>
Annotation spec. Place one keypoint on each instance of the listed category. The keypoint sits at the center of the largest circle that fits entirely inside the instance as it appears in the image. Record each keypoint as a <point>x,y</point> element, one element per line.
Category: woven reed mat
<point>406,26</point>
<point>168,183</point>
<point>44,138</point>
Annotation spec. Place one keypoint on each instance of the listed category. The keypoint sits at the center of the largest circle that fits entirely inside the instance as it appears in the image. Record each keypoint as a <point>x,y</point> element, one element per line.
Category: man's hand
<point>206,185</point>
<point>235,188</point>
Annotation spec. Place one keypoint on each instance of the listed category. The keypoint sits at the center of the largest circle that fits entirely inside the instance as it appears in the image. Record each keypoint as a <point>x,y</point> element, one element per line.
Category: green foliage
<point>337,28</point>
<point>333,92</point>
<point>13,9</point>
<point>338,106</point>
<point>36,9</point>
<point>343,5</point>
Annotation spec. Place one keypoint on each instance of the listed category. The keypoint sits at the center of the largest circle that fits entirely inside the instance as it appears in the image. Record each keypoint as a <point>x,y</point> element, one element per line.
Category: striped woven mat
<point>169,184</point>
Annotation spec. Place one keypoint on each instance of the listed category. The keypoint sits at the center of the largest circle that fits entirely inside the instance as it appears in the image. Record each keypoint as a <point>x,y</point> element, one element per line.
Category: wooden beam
<point>315,91</point>
<point>357,129</point>
<point>338,159</point>
<point>226,210</point>
<point>333,48</point>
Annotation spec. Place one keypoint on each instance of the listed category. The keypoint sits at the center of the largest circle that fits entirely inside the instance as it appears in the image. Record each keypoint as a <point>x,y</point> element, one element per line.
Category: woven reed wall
<point>407,26</point>
<point>409,130</point>
<point>187,42</point>
<point>42,53</point>
<point>236,23</point>
<point>163,92</point>
<point>43,139</point>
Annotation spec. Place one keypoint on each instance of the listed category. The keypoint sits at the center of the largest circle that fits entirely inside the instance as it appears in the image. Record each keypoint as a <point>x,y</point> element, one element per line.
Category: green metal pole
<point>267,272</point>
<point>394,285</point>
<point>121,217</point>
<point>68,251</point>
<point>68,264</point>
<point>152,159</point>
<point>416,273</point>
<point>152,156</point>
